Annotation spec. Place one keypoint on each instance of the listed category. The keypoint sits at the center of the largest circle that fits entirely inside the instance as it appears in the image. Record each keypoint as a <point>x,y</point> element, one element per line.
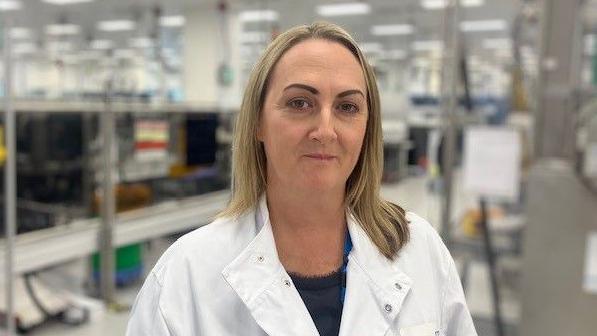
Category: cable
<point>69,316</point>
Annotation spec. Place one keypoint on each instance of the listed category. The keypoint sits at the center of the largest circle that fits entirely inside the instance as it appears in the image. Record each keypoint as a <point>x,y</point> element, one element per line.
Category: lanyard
<point>344,271</point>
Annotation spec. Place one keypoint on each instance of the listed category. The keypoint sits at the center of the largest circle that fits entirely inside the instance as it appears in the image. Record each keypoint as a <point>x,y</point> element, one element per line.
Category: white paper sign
<point>590,278</point>
<point>492,158</point>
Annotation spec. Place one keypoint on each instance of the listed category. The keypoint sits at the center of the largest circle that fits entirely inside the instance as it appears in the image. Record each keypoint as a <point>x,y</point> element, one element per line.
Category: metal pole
<point>557,94</point>
<point>490,254</point>
<point>449,88</point>
<point>106,246</point>
<point>10,187</point>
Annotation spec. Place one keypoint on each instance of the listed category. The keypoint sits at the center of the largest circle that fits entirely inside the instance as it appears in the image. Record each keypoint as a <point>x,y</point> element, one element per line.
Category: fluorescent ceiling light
<point>341,9</point>
<point>116,25</point>
<point>7,5</point>
<point>259,15</point>
<point>371,47</point>
<point>254,37</point>
<point>497,43</point>
<point>440,4</point>
<point>101,44</point>
<point>396,29</point>
<point>141,42</point>
<point>62,29</point>
<point>172,21</point>
<point>24,48</point>
<point>428,45</point>
<point>65,2</point>
<point>19,33</point>
<point>484,25</point>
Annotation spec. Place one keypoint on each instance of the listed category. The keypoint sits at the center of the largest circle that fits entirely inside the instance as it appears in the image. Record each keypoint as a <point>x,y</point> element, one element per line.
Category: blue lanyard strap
<point>344,271</point>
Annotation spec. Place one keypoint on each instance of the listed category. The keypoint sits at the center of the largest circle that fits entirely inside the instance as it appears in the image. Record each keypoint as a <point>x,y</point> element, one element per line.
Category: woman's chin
<point>323,185</point>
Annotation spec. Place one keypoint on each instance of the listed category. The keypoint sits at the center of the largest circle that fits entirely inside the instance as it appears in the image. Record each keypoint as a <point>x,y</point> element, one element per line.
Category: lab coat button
<point>287,283</point>
<point>388,308</point>
<point>261,259</point>
<point>398,286</point>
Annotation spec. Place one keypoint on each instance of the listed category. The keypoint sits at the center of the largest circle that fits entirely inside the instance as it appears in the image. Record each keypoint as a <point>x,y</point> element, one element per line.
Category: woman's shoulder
<point>207,249</point>
<point>419,227</point>
<point>425,242</point>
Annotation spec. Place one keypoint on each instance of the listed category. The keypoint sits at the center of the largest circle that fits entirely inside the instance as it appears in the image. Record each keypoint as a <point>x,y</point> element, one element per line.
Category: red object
<point>150,145</point>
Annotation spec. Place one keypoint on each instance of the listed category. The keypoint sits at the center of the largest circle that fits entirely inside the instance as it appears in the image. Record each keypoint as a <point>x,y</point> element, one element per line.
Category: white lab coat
<point>226,279</point>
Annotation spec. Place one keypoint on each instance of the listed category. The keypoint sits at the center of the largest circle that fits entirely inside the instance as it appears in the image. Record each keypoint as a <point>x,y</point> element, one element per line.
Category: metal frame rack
<point>49,247</point>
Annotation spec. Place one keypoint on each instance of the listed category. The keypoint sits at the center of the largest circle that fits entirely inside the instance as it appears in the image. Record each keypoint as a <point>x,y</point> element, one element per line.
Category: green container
<point>129,264</point>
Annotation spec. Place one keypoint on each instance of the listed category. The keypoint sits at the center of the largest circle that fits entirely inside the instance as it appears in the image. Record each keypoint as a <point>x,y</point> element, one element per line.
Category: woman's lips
<point>323,157</point>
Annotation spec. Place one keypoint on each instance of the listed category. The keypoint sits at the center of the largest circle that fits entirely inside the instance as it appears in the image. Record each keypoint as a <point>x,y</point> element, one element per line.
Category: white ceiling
<point>36,14</point>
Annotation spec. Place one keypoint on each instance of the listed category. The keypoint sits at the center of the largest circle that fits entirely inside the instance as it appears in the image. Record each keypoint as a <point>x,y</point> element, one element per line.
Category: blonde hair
<point>384,222</point>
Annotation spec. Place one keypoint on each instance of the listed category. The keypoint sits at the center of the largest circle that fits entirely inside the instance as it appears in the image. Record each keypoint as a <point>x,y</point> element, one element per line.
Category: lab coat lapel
<point>261,282</point>
<point>375,288</point>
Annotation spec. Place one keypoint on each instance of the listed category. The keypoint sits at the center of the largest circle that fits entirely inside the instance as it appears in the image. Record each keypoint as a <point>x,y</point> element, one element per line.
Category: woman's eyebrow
<point>302,86</point>
<point>351,92</point>
<point>315,91</point>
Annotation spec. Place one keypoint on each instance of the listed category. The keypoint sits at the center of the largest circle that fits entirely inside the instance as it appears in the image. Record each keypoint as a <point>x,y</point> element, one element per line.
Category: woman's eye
<point>299,104</point>
<point>348,108</point>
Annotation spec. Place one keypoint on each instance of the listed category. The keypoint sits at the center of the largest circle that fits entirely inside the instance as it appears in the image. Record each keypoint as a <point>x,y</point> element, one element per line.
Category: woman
<point>306,245</point>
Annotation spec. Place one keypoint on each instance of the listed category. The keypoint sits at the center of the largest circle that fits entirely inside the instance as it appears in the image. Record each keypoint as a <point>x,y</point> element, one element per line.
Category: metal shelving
<point>49,247</point>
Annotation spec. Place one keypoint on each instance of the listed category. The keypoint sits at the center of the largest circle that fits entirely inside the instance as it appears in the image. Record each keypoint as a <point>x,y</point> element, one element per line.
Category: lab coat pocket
<point>426,329</point>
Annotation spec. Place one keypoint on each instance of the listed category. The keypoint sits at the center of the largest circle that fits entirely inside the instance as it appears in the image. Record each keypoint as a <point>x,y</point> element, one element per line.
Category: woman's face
<point>314,117</point>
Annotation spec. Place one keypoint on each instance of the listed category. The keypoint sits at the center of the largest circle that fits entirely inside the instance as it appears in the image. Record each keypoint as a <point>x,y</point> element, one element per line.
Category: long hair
<point>384,222</point>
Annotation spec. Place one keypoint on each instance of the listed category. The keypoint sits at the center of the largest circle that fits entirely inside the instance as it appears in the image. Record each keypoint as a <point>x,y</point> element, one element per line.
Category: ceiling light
<point>397,29</point>
<point>371,47</point>
<point>7,5</point>
<point>259,15</point>
<point>497,43</point>
<point>19,33</point>
<point>484,25</point>
<point>62,29</point>
<point>141,42</point>
<point>65,2</point>
<point>428,45</point>
<point>340,9</point>
<point>172,21</point>
<point>440,4</point>
<point>116,25</point>
<point>101,44</point>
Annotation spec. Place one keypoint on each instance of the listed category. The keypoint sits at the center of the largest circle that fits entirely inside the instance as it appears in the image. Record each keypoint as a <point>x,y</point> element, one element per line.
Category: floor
<point>411,193</point>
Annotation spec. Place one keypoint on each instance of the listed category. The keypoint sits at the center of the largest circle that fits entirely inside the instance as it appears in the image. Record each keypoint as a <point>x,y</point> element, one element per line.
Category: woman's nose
<point>325,130</point>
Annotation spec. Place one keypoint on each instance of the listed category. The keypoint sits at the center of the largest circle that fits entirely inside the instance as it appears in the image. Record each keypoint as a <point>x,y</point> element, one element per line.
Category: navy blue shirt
<point>321,296</point>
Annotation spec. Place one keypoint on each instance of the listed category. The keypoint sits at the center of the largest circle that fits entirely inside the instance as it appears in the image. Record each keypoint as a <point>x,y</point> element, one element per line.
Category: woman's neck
<point>309,229</point>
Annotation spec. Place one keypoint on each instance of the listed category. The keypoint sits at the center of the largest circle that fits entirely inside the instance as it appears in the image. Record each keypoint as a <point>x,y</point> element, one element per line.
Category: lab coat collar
<point>261,282</point>
<point>376,288</point>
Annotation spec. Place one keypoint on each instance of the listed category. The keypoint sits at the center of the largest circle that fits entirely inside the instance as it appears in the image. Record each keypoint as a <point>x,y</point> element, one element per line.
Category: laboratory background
<point>117,121</point>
